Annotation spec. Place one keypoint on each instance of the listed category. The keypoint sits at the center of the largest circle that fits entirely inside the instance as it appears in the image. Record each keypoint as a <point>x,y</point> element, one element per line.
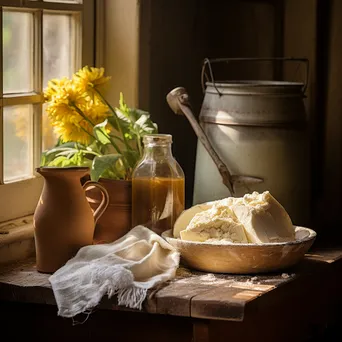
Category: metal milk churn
<point>253,136</point>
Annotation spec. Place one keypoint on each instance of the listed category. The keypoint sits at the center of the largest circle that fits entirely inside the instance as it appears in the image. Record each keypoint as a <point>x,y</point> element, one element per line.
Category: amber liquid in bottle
<point>157,186</point>
<point>159,202</point>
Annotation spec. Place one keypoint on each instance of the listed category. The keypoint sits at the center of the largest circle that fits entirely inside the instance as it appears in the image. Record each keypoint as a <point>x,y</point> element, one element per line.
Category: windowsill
<point>16,240</point>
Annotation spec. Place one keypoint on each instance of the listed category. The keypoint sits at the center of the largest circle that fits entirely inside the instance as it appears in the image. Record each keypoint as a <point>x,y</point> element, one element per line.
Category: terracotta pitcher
<point>63,219</point>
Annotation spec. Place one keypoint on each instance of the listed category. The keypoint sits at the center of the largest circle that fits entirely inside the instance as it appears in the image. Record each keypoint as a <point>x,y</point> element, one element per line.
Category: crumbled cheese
<point>253,218</point>
<point>216,223</point>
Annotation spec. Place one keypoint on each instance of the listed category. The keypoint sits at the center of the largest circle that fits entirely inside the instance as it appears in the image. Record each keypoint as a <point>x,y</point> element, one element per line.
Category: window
<point>40,40</point>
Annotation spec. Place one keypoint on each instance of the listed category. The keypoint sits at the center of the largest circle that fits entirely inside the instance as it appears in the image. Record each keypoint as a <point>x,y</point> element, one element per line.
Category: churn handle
<point>208,62</point>
<point>105,198</point>
<point>178,100</point>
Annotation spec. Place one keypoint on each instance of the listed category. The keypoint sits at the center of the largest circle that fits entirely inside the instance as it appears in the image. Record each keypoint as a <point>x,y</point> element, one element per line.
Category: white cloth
<point>127,267</point>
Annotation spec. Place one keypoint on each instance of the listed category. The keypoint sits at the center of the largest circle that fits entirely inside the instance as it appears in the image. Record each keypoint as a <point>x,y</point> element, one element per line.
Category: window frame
<point>18,199</point>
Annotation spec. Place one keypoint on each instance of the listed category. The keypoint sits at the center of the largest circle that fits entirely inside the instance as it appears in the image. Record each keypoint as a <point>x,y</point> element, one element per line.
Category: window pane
<point>18,131</point>
<point>17,51</point>
<point>59,48</point>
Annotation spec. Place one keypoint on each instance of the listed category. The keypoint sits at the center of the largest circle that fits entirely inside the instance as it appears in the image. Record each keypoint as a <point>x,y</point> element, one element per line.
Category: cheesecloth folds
<point>127,267</point>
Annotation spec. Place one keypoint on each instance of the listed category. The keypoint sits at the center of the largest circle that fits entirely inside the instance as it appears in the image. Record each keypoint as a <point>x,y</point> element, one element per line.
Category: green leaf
<point>63,161</point>
<point>132,157</point>
<point>122,102</point>
<point>135,123</point>
<point>112,121</point>
<point>97,147</point>
<point>110,174</point>
<point>144,125</point>
<point>123,115</point>
<point>44,161</point>
<point>49,156</point>
<point>101,133</point>
<point>103,164</point>
<point>61,151</point>
<point>69,154</point>
<point>120,119</point>
<point>68,149</point>
<point>64,147</point>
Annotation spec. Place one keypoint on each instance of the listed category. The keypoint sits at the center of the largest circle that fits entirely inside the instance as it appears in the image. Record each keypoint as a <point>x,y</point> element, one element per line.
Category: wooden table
<point>195,306</point>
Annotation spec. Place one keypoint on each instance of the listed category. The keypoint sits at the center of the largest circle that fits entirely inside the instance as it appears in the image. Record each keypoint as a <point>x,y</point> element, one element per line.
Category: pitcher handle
<point>105,198</point>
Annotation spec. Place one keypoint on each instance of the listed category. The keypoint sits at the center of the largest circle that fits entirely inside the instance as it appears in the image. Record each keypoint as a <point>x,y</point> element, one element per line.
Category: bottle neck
<point>157,151</point>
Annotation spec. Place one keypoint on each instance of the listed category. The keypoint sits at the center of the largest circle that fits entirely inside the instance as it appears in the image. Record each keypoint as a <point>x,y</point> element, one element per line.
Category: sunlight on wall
<point>121,44</point>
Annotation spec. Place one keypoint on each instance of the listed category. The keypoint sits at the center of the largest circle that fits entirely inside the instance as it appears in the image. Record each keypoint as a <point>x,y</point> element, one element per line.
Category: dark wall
<point>177,44</point>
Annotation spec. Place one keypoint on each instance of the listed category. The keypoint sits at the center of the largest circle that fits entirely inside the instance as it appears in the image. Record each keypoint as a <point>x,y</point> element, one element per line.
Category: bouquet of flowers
<point>91,132</point>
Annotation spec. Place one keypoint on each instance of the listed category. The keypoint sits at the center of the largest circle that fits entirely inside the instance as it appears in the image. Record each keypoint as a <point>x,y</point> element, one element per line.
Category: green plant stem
<point>84,130</point>
<point>93,125</point>
<point>91,152</point>
<point>81,151</point>
<point>110,138</point>
<point>116,118</point>
<point>83,116</point>
<point>117,138</point>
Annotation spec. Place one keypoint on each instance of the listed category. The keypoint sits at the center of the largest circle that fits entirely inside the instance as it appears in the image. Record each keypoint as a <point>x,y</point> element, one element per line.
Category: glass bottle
<point>158,192</point>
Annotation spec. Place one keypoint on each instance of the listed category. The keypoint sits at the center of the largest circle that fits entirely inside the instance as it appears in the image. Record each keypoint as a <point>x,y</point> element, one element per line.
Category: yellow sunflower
<point>88,78</point>
<point>64,91</point>
<point>73,107</point>
<point>74,132</point>
<point>54,87</point>
<point>95,110</point>
<point>76,123</point>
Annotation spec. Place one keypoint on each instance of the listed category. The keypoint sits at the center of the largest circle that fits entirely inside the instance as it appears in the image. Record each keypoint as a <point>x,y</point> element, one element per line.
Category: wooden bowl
<point>243,258</point>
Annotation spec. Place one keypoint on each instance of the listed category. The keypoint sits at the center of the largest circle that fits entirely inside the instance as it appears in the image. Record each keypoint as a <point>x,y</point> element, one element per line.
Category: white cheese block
<point>186,216</point>
<point>217,223</point>
<point>264,218</point>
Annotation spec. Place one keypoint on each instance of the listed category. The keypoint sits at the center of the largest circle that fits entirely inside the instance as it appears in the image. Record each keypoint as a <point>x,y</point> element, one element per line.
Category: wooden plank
<point>328,255</point>
<point>198,294</point>
<point>222,303</point>
<point>175,299</point>
<point>228,301</point>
